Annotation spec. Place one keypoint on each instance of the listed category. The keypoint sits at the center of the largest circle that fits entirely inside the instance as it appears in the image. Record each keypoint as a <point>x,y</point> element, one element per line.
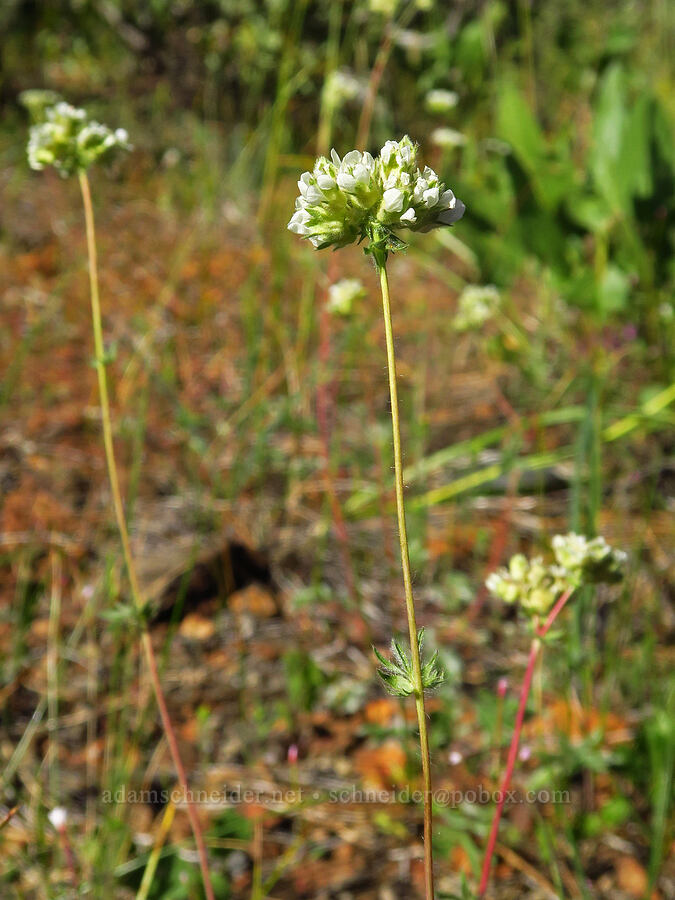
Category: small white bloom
<point>409,216</point>
<point>447,138</point>
<point>343,294</point>
<point>346,181</point>
<point>58,817</point>
<point>440,101</point>
<point>393,200</point>
<point>430,196</point>
<point>477,304</point>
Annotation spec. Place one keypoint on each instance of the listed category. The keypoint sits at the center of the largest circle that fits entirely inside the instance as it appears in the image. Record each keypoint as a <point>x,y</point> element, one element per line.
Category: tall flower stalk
<point>543,591</point>
<point>362,198</point>
<point>67,140</point>
<point>418,684</point>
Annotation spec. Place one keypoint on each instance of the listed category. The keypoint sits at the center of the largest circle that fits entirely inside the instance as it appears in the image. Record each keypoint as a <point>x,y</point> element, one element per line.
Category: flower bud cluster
<point>532,583</point>
<point>345,200</point>
<point>69,141</point>
<point>536,585</point>
<point>591,561</point>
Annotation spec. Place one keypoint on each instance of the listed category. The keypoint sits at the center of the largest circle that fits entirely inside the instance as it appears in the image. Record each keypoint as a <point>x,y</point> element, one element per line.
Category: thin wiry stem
<point>407,582</point>
<point>146,641</point>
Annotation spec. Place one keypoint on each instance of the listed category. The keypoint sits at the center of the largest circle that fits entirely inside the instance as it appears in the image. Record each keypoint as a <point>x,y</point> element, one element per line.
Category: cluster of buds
<point>536,585</point>
<point>68,140</point>
<point>359,196</point>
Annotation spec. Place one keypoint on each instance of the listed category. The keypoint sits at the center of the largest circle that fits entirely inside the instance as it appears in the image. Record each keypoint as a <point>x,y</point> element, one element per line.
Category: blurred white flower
<point>448,138</point>
<point>536,586</point>
<point>67,140</point>
<point>588,560</point>
<point>341,87</point>
<point>58,817</point>
<point>477,303</point>
<point>343,294</point>
<point>440,101</point>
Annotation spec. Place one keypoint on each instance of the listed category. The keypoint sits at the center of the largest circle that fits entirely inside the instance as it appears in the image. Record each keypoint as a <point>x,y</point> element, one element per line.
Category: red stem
<point>515,739</point>
<point>553,615</point>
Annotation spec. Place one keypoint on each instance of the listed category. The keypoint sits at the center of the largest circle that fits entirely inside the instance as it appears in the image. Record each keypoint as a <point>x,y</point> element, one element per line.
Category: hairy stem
<point>407,581</point>
<point>146,642</point>
<point>515,739</point>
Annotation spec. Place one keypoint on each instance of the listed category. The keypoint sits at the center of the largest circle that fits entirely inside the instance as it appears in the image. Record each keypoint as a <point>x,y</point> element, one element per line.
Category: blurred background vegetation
<point>253,431</point>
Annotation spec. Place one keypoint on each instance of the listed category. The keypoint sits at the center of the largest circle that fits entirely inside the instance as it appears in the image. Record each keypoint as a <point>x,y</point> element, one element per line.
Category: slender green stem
<point>407,582</point>
<point>146,641</point>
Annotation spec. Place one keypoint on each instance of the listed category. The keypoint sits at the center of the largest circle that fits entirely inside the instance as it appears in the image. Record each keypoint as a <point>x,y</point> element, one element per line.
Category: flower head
<point>439,100</point>
<point>345,200</point>
<point>343,294</point>
<point>588,560</point>
<point>476,304</point>
<point>58,817</point>
<point>536,586</point>
<point>69,141</point>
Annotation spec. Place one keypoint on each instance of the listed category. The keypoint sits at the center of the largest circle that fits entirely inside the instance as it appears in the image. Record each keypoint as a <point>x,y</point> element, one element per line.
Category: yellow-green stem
<point>146,641</point>
<point>407,582</point>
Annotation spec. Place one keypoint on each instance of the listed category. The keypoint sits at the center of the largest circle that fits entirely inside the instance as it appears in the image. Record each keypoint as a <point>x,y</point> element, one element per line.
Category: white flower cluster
<point>439,100</point>
<point>345,200</point>
<point>589,560</point>
<point>536,586</point>
<point>476,305</point>
<point>448,138</point>
<point>67,140</point>
<point>341,87</point>
<point>343,294</point>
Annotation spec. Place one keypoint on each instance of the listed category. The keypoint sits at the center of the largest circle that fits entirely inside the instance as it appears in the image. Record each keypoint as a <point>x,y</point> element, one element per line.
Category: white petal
<point>430,197</point>
<point>393,200</point>
<point>409,216</point>
<point>346,182</point>
<point>352,158</point>
<point>447,200</point>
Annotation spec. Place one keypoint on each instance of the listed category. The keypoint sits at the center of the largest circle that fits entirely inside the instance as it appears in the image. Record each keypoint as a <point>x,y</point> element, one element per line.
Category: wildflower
<point>536,586</point>
<point>502,686</point>
<point>343,294</point>
<point>440,101</point>
<point>70,142</point>
<point>346,200</point>
<point>341,87</point>
<point>455,757</point>
<point>58,817</point>
<point>448,138</point>
<point>477,303</point>
<point>591,561</point>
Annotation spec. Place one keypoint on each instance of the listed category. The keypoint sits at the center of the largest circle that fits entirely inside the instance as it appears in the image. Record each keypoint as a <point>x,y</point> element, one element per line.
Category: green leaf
<point>517,125</point>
